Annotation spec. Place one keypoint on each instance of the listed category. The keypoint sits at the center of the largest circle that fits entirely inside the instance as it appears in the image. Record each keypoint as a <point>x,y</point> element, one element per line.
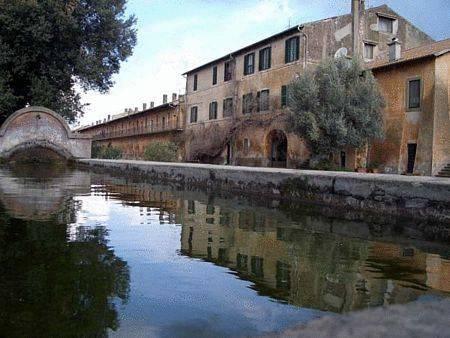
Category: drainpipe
<point>300,29</point>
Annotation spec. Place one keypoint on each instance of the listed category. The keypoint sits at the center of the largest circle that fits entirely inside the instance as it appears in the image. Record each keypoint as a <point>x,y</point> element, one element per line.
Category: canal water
<point>89,255</point>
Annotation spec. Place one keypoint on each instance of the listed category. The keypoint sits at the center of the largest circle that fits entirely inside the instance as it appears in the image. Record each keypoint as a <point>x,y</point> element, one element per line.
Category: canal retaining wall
<point>412,196</point>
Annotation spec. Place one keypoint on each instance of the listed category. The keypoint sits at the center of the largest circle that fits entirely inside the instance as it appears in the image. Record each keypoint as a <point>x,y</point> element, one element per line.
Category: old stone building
<point>133,130</point>
<point>416,87</point>
<point>237,102</point>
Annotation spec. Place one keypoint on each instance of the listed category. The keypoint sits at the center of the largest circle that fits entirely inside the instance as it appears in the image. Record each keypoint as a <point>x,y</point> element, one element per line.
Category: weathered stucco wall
<point>441,136</point>
<point>403,127</point>
<point>422,197</point>
<point>40,127</point>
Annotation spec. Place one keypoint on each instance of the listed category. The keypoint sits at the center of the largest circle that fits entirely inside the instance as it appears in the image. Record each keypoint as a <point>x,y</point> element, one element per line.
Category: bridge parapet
<point>34,127</point>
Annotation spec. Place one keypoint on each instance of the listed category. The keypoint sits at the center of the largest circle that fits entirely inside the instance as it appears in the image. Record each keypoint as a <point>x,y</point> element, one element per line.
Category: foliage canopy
<point>48,48</point>
<point>336,105</point>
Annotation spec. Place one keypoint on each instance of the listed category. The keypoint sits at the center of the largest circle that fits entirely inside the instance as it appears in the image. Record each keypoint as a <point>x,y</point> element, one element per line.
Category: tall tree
<point>49,48</point>
<point>336,105</point>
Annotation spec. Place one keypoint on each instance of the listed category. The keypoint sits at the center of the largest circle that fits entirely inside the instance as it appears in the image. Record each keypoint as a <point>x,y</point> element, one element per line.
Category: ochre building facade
<point>416,86</point>
<point>238,102</point>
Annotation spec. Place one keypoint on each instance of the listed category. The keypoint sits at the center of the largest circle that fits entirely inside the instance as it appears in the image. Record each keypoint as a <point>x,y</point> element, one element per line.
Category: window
<point>214,75</point>
<point>264,58</point>
<point>163,122</point>
<point>227,71</point>
<point>247,103</point>
<point>246,145</point>
<point>292,49</point>
<point>369,51</point>
<point>284,97</point>
<point>241,262</point>
<point>263,100</point>
<point>195,82</point>
<point>213,110</point>
<point>257,264</point>
<point>283,276</point>
<point>191,207</point>
<point>385,25</point>
<point>227,107</point>
<point>249,64</point>
<point>414,94</point>
<point>194,114</point>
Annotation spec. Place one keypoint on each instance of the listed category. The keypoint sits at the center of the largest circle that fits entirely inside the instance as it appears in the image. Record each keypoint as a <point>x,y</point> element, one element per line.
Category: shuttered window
<point>249,64</point>
<point>194,114</point>
<point>265,58</point>
<point>292,52</point>
<point>227,107</point>
<point>214,75</point>
<point>227,71</point>
<point>414,94</point>
<point>247,103</point>
<point>213,110</point>
<point>283,96</point>
<point>195,82</point>
<point>263,100</point>
<point>385,25</point>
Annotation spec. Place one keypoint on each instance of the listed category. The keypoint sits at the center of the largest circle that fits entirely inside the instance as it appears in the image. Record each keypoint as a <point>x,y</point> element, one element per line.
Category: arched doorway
<point>277,148</point>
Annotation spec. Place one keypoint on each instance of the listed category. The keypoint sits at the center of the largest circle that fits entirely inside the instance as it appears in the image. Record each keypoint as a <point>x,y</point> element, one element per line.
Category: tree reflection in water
<point>55,282</point>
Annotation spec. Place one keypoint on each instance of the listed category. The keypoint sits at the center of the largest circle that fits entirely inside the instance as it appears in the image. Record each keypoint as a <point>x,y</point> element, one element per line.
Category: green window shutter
<point>258,103</point>
<point>283,96</point>
<point>286,51</point>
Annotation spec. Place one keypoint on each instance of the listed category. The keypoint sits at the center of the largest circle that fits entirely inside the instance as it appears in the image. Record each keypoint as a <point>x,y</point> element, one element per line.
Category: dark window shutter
<point>283,96</point>
<point>286,51</point>
<point>297,50</point>
<point>270,57</point>
<point>258,103</point>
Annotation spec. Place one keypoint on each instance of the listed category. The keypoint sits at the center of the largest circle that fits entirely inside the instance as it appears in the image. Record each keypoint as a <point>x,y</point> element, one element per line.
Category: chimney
<point>109,117</point>
<point>395,50</point>
<point>125,110</point>
<point>152,104</point>
<point>358,7</point>
<point>164,98</point>
<point>144,106</point>
<point>174,97</point>
<point>136,109</point>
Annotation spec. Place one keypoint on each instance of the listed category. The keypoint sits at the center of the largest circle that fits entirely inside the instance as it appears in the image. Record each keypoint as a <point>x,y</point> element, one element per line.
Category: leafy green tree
<point>108,152</point>
<point>336,105</point>
<point>161,151</point>
<point>48,48</point>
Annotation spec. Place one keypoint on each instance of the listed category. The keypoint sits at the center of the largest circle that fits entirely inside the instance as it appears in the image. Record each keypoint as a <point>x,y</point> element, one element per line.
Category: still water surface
<point>86,254</point>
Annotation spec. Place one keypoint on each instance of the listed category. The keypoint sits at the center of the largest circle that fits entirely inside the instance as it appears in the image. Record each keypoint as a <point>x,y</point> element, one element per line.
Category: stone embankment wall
<point>420,197</point>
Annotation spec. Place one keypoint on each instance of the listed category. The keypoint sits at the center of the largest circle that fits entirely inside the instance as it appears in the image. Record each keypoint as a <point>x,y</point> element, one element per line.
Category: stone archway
<point>277,146</point>
<point>40,128</point>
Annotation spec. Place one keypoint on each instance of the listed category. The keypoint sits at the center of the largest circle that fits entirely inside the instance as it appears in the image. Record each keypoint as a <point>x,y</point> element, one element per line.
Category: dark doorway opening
<point>228,153</point>
<point>277,143</point>
<point>412,148</point>
<point>343,159</point>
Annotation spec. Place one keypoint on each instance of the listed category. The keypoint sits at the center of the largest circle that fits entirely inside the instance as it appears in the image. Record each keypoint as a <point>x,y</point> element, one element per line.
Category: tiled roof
<point>432,49</point>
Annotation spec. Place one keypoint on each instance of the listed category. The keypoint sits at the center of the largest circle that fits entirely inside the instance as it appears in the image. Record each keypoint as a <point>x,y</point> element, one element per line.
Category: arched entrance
<point>277,148</point>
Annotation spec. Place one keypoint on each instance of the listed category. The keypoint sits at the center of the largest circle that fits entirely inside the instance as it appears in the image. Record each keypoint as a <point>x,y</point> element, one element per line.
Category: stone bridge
<point>38,130</point>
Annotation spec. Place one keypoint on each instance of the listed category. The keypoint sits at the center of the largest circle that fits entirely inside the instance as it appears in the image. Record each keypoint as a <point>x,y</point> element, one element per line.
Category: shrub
<point>161,151</point>
<point>109,152</point>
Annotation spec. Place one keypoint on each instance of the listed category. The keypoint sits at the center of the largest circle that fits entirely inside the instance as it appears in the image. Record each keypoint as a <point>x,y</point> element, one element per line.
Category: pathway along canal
<point>88,254</point>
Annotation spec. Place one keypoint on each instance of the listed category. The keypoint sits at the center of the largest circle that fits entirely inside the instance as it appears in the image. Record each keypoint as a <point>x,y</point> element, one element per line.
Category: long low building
<point>133,130</point>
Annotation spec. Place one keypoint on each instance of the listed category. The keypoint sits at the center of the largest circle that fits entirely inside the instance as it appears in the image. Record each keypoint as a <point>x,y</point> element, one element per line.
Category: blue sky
<point>177,35</point>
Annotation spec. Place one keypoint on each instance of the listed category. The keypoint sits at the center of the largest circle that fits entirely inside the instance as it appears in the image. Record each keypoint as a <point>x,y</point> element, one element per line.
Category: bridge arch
<point>41,128</point>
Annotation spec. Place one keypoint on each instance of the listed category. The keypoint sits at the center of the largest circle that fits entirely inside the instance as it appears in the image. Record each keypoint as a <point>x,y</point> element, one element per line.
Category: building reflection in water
<point>309,260</point>
<point>306,263</point>
<point>56,280</point>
